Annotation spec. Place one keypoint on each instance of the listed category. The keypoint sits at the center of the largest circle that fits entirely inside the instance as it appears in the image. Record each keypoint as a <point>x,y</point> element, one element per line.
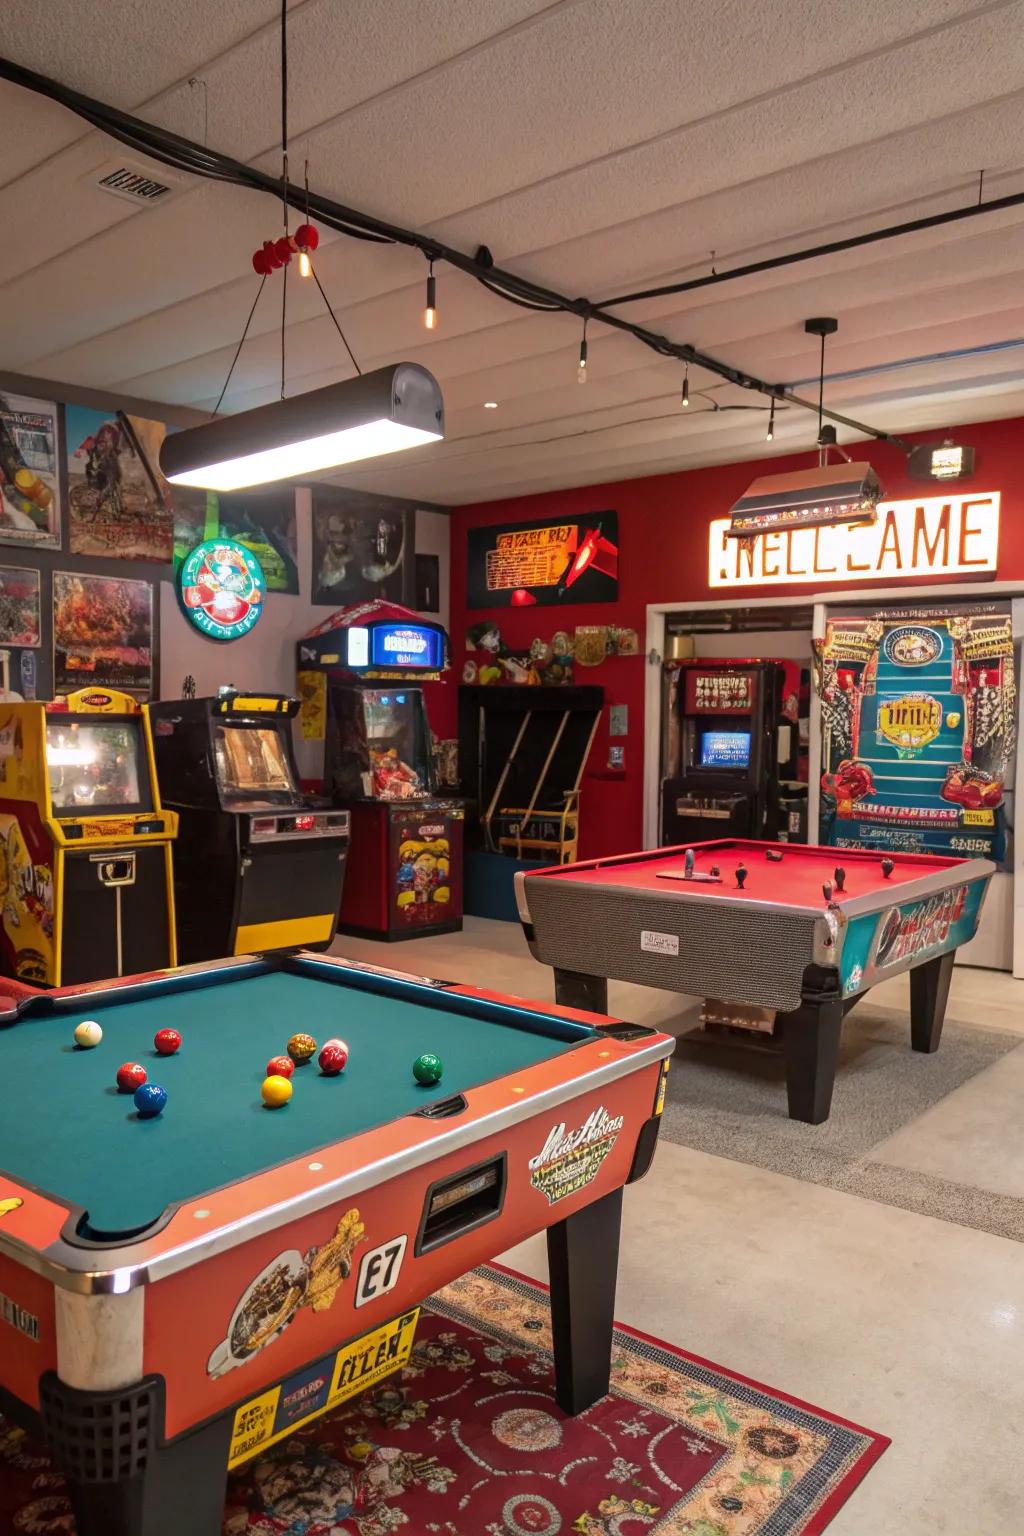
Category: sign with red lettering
<point>937,536</point>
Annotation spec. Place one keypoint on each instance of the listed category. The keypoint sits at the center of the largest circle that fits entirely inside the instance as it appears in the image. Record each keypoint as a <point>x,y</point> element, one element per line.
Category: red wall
<point>663,532</point>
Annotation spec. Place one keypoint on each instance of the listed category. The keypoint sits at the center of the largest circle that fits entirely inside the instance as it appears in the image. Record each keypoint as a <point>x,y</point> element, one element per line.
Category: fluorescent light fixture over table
<point>382,412</point>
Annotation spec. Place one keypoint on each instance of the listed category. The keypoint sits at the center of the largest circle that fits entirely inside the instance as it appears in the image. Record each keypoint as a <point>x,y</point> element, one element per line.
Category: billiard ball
<point>167,1041</point>
<point>276,1090</point>
<point>149,1100</point>
<point>301,1048</point>
<point>130,1075</point>
<point>88,1034</point>
<point>280,1066</point>
<point>427,1069</point>
<point>333,1057</point>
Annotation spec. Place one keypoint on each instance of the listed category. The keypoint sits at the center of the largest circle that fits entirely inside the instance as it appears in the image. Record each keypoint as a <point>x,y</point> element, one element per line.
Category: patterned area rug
<point>468,1443</point>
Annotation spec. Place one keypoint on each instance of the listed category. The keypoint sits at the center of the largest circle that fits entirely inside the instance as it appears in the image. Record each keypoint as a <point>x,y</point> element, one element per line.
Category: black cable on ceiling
<point>185,155</point>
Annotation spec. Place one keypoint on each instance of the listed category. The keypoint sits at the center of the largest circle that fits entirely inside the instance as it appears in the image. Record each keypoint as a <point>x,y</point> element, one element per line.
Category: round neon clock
<point>222,588</point>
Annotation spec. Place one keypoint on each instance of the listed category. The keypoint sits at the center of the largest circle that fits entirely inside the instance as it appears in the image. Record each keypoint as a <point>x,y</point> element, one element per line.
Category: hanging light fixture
<point>685,396</point>
<point>430,311</point>
<point>819,497</point>
<point>381,412</point>
<point>581,367</point>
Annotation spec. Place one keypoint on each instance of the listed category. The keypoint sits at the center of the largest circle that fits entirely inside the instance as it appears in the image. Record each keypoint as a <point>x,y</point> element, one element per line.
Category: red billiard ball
<point>130,1075</point>
<point>166,1041</point>
<point>280,1066</point>
<point>333,1057</point>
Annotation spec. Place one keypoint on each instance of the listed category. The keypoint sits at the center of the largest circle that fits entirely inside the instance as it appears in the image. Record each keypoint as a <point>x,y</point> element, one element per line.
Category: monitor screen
<point>725,749</point>
<point>410,647</point>
<point>96,765</point>
<point>252,763</point>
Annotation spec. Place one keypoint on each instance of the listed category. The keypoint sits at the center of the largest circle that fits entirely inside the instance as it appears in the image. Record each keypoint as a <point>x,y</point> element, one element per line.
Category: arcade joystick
<point>688,863</point>
<point>741,875</point>
<point>826,890</point>
<point>840,879</point>
<point>887,868</point>
<point>715,872</point>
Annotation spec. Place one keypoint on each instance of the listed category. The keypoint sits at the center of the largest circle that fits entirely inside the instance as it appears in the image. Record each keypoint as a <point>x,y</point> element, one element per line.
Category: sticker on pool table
<point>282,1288</point>
<point>570,1160</point>
<point>17,1317</point>
<point>379,1270</point>
<point>659,943</point>
<point>917,930</point>
<point>321,1386</point>
<point>13,1203</point>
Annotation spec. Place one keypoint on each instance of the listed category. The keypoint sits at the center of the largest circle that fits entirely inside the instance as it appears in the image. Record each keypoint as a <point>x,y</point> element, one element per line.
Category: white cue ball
<point>88,1034</point>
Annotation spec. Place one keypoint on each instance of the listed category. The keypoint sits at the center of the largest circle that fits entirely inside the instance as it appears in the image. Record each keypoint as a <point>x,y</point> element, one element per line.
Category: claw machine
<point>361,673</point>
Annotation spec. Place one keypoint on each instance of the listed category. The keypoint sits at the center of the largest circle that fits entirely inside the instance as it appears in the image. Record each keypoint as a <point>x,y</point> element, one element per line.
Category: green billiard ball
<point>427,1069</point>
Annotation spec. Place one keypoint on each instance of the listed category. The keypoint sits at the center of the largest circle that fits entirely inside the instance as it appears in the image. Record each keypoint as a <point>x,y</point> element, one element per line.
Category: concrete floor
<point>909,1325</point>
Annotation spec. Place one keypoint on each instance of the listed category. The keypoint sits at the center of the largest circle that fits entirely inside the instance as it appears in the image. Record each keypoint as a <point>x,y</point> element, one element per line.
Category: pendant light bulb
<point>771,421</point>
<point>581,369</point>
<point>685,396</point>
<point>305,265</point>
<point>430,312</point>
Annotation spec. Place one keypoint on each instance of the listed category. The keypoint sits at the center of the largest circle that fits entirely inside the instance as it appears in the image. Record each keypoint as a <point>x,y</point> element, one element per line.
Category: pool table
<point>773,938</point>
<point>178,1293</point>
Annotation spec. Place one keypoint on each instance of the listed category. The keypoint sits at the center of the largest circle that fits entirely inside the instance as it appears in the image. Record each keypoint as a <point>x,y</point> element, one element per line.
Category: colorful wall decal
<point>119,504</point>
<point>573,560</point>
<point>222,589</point>
<point>29,481</point>
<point>19,606</point>
<point>102,633</point>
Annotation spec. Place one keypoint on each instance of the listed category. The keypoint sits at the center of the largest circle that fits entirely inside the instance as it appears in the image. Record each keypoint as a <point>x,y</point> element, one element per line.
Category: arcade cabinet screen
<point>725,749</point>
<point>252,763</point>
<point>96,765</point>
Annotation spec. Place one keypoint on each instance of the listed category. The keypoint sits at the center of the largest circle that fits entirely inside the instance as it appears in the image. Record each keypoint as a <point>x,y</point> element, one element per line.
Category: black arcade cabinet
<point>720,745</point>
<point>258,865</point>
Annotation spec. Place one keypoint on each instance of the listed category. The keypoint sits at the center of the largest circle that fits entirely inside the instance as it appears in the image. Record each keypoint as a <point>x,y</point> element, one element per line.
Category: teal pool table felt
<point>67,1130</point>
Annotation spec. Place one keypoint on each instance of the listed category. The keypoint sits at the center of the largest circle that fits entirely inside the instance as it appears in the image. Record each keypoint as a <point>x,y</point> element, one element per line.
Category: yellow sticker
<point>659,1103</point>
<point>253,1426</point>
<point>979,818</point>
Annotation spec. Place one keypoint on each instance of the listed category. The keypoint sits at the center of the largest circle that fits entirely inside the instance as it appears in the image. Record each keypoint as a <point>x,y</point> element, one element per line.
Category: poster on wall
<point>102,634</point>
<point>29,481</point>
<point>571,560</point>
<point>263,521</point>
<point>362,548</point>
<point>919,723</point>
<point>19,606</point>
<point>119,504</point>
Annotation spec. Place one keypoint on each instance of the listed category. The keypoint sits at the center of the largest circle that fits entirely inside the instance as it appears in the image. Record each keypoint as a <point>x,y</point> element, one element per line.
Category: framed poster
<point>30,497</point>
<point>362,548</point>
<point>102,633</point>
<point>119,504</point>
<point>264,521</point>
<point>919,726</point>
<point>19,606</point>
<point>563,560</point>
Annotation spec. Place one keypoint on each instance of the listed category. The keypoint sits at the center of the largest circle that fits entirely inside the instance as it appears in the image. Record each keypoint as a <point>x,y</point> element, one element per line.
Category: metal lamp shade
<point>808,498</point>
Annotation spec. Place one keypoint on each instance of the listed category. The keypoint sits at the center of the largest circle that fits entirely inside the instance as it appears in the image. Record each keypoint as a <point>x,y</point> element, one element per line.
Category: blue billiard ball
<point>149,1100</point>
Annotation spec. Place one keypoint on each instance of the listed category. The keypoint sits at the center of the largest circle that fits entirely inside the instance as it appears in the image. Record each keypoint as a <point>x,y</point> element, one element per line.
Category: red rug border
<point>839,1495</point>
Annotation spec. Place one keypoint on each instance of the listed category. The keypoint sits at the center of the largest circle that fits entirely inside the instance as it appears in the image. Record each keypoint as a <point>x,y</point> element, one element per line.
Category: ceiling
<point>596,146</point>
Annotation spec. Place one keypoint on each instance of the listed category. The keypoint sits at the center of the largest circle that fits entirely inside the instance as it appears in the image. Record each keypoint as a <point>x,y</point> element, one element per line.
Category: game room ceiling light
<point>382,412</point>
<point>807,498</point>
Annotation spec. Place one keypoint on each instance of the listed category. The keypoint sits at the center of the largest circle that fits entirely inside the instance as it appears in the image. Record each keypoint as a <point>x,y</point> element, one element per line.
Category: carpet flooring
<point>468,1442</point>
<point>730,1100</point>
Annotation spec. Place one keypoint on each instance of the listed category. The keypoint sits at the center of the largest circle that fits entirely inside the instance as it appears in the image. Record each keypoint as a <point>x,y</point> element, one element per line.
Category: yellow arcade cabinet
<point>86,882</point>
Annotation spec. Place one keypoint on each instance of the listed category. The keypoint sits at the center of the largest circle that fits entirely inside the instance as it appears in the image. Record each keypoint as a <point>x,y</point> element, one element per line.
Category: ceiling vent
<point>134,182</point>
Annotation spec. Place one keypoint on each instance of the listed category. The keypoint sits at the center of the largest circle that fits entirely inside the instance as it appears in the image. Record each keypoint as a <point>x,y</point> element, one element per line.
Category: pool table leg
<point>576,989</point>
<point>583,1261</point>
<point>810,1048</point>
<point>929,992</point>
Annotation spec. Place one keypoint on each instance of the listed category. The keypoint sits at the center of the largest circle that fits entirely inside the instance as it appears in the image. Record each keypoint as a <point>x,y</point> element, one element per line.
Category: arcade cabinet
<point>86,868</point>
<point>720,750</point>
<point>406,861</point>
<point>258,865</point>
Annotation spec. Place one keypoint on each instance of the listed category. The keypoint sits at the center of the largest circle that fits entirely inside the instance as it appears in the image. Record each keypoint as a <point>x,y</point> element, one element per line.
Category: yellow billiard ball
<point>88,1034</point>
<point>276,1091</point>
